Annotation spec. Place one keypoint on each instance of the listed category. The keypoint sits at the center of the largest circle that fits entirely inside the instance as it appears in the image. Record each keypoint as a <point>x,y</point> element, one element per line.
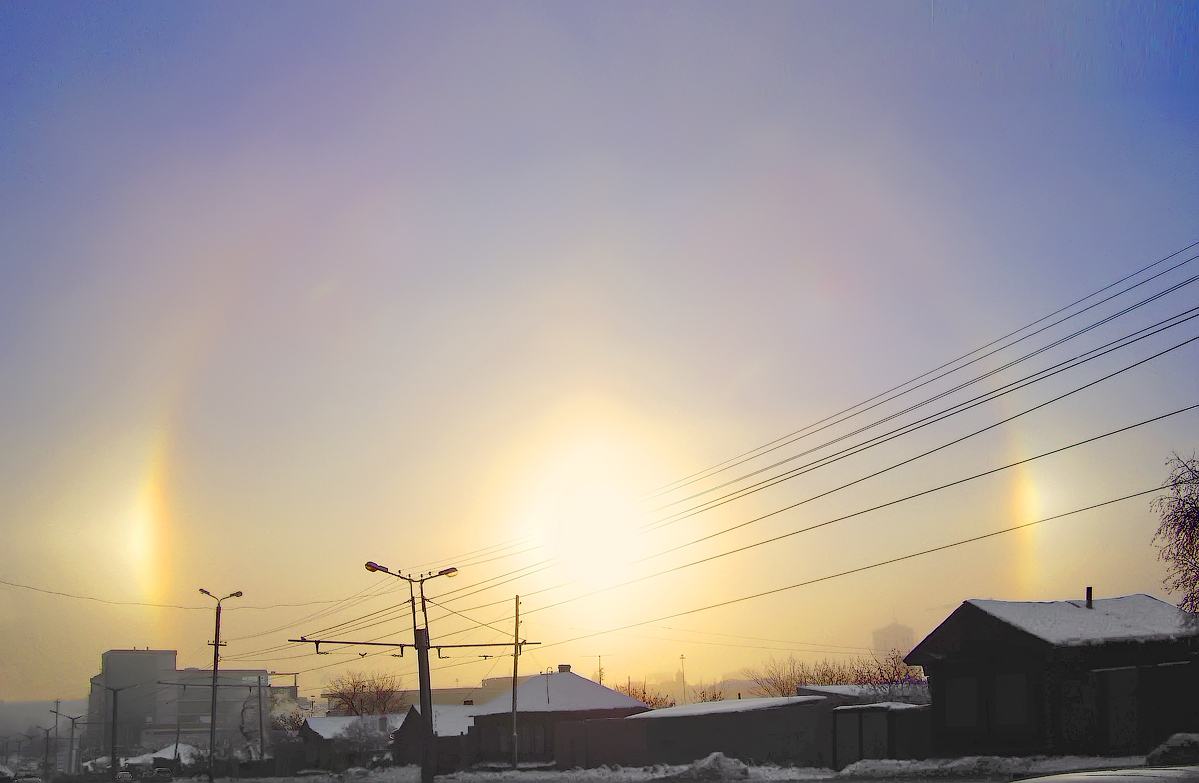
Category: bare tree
<point>1178,533</point>
<point>705,693</point>
<point>650,697</point>
<point>360,693</point>
<point>888,675</point>
<point>287,714</point>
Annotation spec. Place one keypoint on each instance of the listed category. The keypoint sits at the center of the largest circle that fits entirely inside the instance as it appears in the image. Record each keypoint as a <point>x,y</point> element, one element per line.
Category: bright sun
<point>582,504</point>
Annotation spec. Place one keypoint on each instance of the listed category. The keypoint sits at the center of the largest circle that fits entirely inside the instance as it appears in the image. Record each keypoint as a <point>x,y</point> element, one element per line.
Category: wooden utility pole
<point>420,640</point>
<point>515,670</point>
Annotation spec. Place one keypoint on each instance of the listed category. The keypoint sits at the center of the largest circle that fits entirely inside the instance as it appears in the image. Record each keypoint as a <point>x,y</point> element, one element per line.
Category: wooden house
<point>543,702</point>
<point>1112,676</point>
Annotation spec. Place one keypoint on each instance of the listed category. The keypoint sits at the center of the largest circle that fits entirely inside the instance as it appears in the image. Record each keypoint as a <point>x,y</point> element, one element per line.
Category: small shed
<point>452,725</point>
<point>544,702</point>
<point>340,742</point>
<point>1111,676</point>
<point>881,730</point>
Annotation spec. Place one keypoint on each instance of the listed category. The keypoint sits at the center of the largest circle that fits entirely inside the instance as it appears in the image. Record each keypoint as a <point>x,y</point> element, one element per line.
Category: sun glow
<point>146,528</point>
<point>579,496</point>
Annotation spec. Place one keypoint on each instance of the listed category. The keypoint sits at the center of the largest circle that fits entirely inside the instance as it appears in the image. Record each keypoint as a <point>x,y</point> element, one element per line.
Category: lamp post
<point>216,662</point>
<point>46,761</point>
<point>420,637</point>
<point>112,762</point>
<point>31,738</point>
<point>71,745</point>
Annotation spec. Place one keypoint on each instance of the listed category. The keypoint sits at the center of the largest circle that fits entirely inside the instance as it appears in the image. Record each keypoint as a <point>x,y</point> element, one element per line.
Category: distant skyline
<point>288,288</point>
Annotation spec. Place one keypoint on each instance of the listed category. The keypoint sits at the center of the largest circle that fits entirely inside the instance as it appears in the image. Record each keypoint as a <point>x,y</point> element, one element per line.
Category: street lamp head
<point>451,571</point>
<point>205,592</point>
<point>234,595</point>
<point>372,566</point>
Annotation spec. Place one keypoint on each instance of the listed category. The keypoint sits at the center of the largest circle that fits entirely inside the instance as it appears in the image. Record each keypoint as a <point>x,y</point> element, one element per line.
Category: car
<point>158,775</point>
<point>124,776</point>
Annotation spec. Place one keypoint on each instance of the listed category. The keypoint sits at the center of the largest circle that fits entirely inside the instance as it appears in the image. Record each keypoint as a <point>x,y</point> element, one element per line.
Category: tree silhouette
<point>1178,532</point>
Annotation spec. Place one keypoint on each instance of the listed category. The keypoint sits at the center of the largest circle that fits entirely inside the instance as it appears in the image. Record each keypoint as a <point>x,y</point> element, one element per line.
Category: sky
<point>289,287</point>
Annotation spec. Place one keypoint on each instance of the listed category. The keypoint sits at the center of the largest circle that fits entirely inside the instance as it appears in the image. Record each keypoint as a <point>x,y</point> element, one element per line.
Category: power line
<point>1045,372</point>
<point>798,471</point>
<point>770,446</point>
<point>780,537</point>
<point>858,570</point>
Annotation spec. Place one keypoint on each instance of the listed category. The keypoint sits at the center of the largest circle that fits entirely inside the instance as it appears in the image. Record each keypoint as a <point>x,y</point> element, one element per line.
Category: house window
<point>961,702</point>
<point>1011,699</point>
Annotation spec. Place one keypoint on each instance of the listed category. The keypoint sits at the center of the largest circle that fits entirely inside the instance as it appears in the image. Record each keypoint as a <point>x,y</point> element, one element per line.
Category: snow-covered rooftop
<point>1071,623</point>
<point>559,692</point>
<point>853,691</point>
<point>336,726</point>
<point>188,754</point>
<point>452,720</point>
<point>880,705</point>
<point>727,706</point>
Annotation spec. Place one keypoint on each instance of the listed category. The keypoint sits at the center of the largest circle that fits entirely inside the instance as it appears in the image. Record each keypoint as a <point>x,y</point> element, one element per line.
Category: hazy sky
<point>286,287</point>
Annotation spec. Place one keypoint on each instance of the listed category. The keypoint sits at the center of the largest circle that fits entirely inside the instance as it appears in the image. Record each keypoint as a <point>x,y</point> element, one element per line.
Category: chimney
<point>1089,606</point>
<point>563,668</point>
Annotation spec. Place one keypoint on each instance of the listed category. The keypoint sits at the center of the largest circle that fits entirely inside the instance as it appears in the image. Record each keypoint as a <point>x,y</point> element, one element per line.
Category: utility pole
<point>71,744</point>
<point>57,704</point>
<point>216,663</point>
<point>112,765</point>
<point>261,727</point>
<point>515,669</point>
<point>599,665</point>
<point>49,775</point>
<point>683,669</point>
<point>178,726</point>
<point>420,638</point>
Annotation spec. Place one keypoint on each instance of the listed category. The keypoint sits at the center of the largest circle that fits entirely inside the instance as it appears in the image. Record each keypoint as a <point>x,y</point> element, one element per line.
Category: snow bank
<point>1179,749</point>
<point>983,766</point>
<point>716,766</point>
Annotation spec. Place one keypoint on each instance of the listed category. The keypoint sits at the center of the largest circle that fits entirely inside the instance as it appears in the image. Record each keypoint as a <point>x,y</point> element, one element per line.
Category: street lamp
<point>216,662</point>
<point>71,747</point>
<point>46,762</point>
<point>420,638</point>
<point>112,765</point>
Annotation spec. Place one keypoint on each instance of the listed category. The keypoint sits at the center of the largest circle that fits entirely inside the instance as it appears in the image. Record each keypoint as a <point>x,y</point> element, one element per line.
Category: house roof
<point>850,691</point>
<point>336,726</point>
<point>724,707</point>
<point>1072,624</point>
<point>559,692</point>
<point>450,720</point>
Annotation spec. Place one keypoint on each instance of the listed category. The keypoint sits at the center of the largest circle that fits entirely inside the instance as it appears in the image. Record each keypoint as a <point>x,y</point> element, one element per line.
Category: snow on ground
<point>712,769</point>
<point>983,766</point>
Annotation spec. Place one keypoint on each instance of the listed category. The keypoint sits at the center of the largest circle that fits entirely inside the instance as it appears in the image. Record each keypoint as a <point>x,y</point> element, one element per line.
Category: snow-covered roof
<point>852,691</point>
<point>1071,623</point>
<point>559,692</point>
<point>188,754</point>
<point>451,720</point>
<point>336,726</point>
<point>880,705</point>
<point>727,706</point>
